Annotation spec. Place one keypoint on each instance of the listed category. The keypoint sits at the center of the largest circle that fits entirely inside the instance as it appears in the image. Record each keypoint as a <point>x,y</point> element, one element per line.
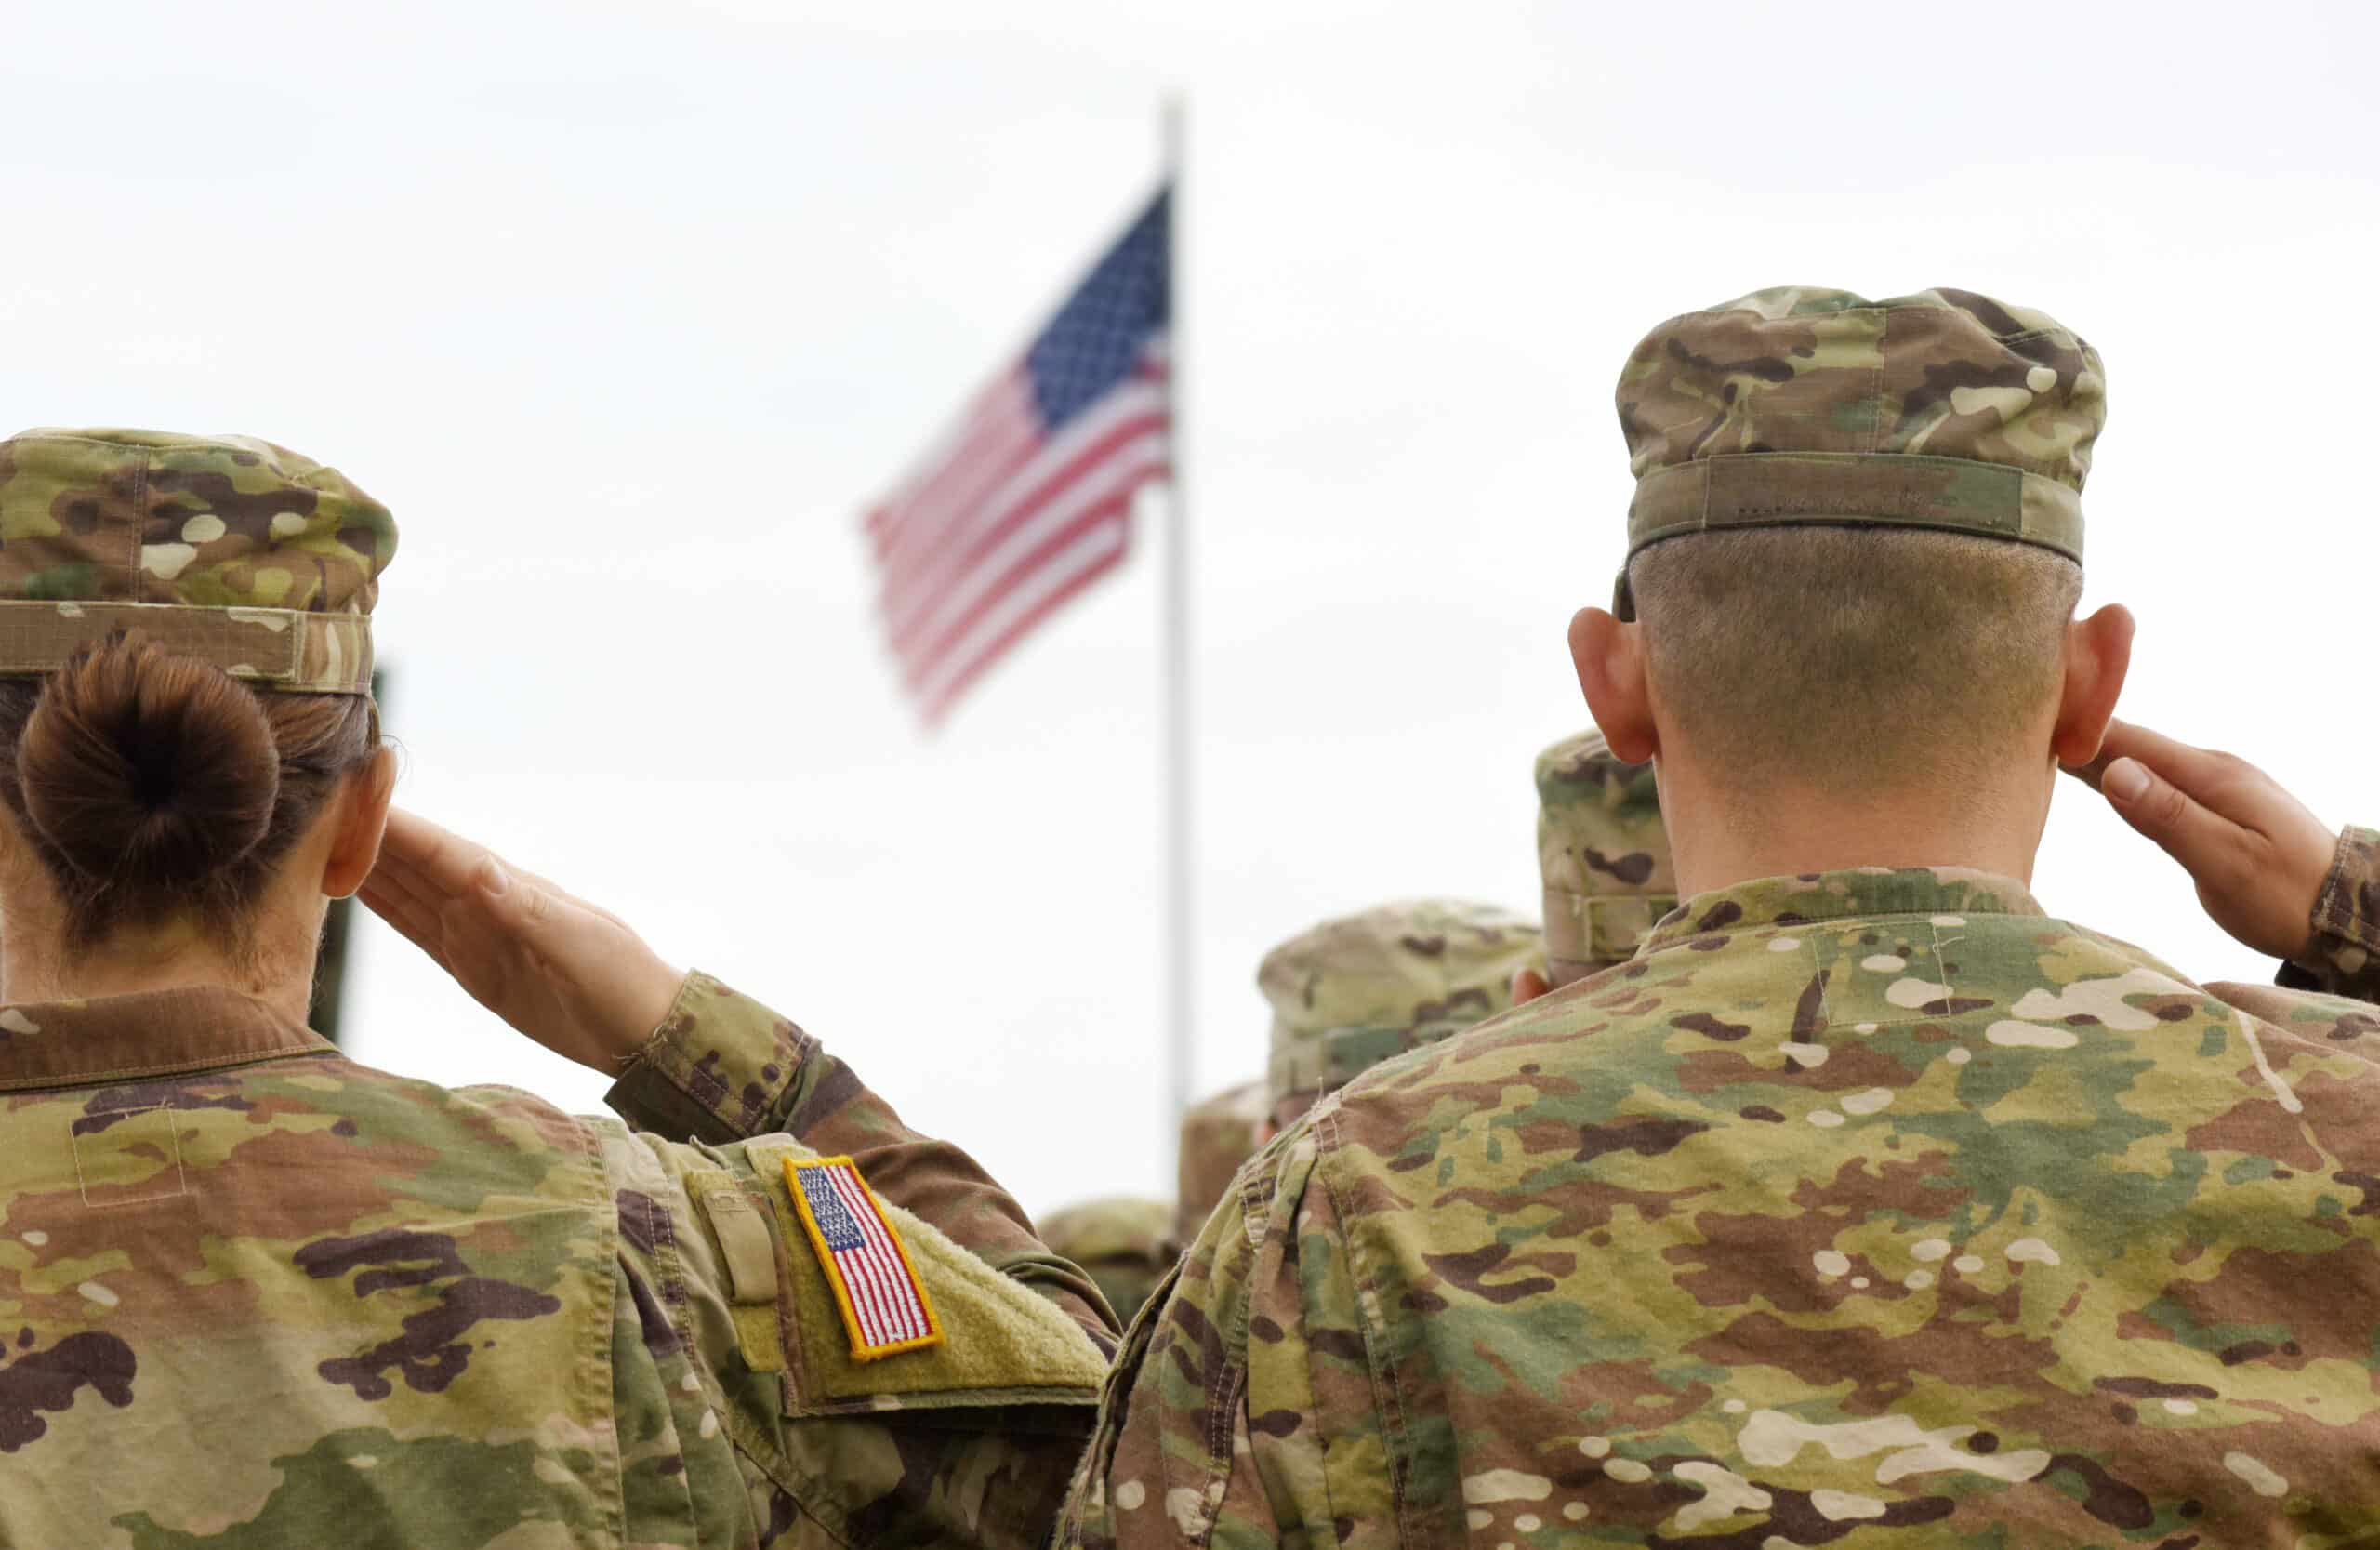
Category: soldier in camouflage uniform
<point>1869,1206</point>
<point>1344,994</point>
<point>1601,853</point>
<point>1125,1243</point>
<point>1362,989</point>
<point>252,1293</point>
<point>1219,1134</point>
<point>1347,995</point>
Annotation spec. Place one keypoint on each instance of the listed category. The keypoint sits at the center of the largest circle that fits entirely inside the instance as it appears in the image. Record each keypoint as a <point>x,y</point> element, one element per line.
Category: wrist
<point>659,1003</point>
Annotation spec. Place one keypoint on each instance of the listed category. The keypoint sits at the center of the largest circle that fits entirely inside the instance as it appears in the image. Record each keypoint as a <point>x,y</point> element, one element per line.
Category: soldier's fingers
<point>403,882</point>
<point>2088,773</point>
<point>392,900</point>
<point>408,920</point>
<point>1528,985</point>
<point>397,869</point>
<point>525,907</point>
<point>2168,815</point>
<point>2195,770</point>
<point>443,860</point>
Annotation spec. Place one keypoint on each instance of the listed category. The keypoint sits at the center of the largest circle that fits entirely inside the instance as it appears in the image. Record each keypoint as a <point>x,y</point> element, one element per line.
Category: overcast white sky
<point>626,308</point>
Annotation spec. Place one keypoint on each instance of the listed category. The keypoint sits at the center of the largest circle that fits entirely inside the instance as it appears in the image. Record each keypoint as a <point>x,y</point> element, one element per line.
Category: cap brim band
<point>1778,489</point>
<point>272,648</point>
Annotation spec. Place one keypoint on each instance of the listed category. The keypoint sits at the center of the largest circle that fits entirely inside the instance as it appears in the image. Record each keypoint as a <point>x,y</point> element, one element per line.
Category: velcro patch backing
<point>884,1305</point>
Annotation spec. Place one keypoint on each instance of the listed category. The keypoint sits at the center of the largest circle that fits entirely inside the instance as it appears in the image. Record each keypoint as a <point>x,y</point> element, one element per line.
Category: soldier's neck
<point>1721,837</point>
<point>38,964</point>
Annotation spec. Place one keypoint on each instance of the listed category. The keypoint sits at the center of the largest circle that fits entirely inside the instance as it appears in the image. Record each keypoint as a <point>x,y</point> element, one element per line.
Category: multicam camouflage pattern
<point>1362,989</point>
<point>1218,1134</point>
<point>228,548</point>
<point>255,1294</point>
<point>1944,409</point>
<point>2344,958</point>
<point>1125,1243</point>
<point>1603,854</point>
<point>1866,1209</point>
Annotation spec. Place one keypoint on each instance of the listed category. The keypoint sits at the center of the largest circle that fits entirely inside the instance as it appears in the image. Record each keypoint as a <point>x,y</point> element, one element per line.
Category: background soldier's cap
<point>1945,410</point>
<point>1126,1245</point>
<point>1219,1133</point>
<point>1363,988</point>
<point>1602,853</point>
<point>223,548</point>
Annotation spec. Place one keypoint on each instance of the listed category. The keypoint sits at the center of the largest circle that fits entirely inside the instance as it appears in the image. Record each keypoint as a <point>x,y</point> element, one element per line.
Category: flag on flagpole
<point>1027,500</point>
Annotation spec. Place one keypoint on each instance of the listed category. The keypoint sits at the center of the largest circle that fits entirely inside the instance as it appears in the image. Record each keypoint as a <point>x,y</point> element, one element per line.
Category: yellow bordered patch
<point>885,1306</point>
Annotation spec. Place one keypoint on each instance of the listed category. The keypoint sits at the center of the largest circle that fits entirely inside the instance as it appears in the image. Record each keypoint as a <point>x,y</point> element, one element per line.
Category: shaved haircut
<point>1855,660</point>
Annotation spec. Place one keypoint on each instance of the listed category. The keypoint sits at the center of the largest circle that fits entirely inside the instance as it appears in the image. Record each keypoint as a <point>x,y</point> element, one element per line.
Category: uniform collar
<point>1858,894</point>
<point>153,1033</point>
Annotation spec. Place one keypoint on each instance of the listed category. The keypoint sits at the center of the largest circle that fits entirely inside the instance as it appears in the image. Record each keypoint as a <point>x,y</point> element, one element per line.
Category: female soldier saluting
<point>252,1293</point>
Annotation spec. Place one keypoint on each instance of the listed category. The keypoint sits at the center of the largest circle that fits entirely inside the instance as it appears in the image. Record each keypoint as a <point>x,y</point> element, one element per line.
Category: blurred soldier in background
<point>1605,866</point>
<point>1218,1134</point>
<point>1602,856</point>
<point>1355,991</point>
<point>1345,995</point>
<point>1124,1242</point>
<point>1867,1202</point>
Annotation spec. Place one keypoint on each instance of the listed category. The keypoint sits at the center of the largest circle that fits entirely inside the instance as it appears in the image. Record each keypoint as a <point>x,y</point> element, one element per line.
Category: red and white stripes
<point>887,1304</point>
<point>1004,522</point>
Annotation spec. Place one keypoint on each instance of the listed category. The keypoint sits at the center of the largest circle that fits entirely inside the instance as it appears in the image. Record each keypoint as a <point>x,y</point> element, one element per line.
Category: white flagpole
<point>1180,896</point>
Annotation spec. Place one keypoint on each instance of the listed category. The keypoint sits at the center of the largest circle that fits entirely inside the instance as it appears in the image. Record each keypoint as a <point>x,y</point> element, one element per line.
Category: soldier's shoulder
<point>486,1120</point>
<point>2340,1022</point>
<point>1469,1070</point>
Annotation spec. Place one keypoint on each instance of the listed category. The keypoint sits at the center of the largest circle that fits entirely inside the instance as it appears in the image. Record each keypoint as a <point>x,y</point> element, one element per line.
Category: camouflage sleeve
<point>1212,1424</point>
<point>722,1067</point>
<point>2345,958</point>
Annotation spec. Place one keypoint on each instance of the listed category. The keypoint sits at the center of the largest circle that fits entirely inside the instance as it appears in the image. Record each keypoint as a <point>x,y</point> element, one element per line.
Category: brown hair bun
<point>147,770</point>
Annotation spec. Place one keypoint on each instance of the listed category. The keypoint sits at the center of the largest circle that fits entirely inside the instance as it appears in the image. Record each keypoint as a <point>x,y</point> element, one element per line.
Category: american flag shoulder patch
<point>884,1305</point>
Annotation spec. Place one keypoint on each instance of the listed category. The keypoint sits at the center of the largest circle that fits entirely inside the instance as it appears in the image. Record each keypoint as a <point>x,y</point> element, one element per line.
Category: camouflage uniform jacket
<point>1866,1208</point>
<point>252,1293</point>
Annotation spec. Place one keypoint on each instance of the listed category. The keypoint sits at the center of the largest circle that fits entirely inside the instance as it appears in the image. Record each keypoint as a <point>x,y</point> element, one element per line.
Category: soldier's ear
<point>1609,657</point>
<point>2098,653</point>
<point>360,811</point>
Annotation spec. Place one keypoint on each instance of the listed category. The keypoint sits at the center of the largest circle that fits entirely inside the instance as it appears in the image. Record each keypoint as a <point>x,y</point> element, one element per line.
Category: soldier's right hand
<point>2258,856</point>
<point>574,978</point>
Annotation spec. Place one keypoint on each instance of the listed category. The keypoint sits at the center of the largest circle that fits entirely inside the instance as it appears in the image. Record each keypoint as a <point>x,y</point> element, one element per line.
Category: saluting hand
<point>571,976</point>
<point>2258,856</point>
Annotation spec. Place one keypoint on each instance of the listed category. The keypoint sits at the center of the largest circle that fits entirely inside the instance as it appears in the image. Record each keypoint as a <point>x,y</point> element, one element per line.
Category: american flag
<point>1027,500</point>
<point>886,1308</point>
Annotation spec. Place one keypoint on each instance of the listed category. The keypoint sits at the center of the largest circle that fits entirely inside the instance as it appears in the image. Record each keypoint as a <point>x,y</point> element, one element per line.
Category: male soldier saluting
<point>1867,1205</point>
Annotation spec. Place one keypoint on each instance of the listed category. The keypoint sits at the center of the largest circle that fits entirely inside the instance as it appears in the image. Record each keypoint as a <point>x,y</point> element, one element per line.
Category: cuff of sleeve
<point>716,1069</point>
<point>2348,907</point>
<point>2346,916</point>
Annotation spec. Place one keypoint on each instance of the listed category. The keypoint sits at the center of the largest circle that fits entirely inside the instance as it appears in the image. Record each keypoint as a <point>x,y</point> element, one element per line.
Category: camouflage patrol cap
<point>1218,1134</point>
<point>1363,988</point>
<point>1602,853</point>
<point>1945,410</point>
<point>226,548</point>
